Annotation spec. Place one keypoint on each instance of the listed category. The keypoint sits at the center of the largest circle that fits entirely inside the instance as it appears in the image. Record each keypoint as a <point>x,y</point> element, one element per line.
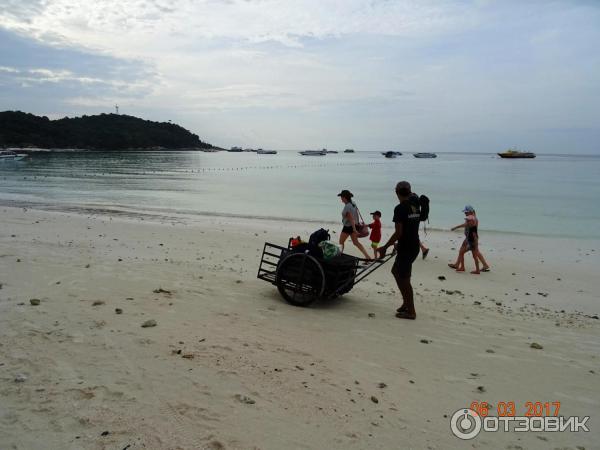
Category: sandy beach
<point>229,365</point>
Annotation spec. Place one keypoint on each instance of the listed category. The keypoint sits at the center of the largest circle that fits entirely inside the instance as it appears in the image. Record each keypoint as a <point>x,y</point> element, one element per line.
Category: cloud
<point>381,71</point>
<point>102,23</point>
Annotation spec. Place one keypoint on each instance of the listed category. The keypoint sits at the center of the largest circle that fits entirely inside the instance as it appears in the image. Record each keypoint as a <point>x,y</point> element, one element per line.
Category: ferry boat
<point>514,153</point>
<point>6,155</point>
<point>313,152</point>
<point>425,155</point>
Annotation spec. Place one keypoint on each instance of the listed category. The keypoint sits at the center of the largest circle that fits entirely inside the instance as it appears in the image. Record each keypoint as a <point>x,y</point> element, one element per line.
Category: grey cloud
<point>22,9</point>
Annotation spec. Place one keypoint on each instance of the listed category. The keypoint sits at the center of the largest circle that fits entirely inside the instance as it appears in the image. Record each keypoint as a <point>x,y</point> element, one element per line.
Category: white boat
<point>10,155</point>
<point>425,155</point>
<point>260,151</point>
<point>313,152</point>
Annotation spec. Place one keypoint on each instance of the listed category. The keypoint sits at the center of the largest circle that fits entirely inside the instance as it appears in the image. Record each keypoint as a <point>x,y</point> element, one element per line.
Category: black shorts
<point>347,230</point>
<point>402,267</point>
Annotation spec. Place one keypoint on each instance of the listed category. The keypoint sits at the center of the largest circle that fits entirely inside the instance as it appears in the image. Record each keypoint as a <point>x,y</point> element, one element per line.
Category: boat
<point>313,152</point>
<point>514,153</point>
<point>236,149</point>
<point>260,151</point>
<point>425,155</point>
<point>349,150</point>
<point>391,154</point>
<point>331,151</point>
<point>12,156</point>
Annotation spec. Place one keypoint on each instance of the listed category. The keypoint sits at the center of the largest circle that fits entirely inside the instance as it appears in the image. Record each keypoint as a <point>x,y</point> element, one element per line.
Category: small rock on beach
<point>161,291</point>
<point>245,399</point>
<point>20,378</point>
<point>149,323</point>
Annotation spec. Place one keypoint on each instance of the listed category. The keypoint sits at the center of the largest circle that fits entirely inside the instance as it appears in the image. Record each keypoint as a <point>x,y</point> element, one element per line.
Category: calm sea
<point>550,195</point>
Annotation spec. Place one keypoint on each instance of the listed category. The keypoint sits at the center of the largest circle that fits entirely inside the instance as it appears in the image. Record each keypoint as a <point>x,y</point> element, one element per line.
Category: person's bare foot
<point>475,272</point>
<point>460,270</point>
<point>453,266</point>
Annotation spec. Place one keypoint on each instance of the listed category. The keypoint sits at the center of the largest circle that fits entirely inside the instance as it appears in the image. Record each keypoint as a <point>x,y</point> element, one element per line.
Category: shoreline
<point>230,365</point>
<point>178,214</point>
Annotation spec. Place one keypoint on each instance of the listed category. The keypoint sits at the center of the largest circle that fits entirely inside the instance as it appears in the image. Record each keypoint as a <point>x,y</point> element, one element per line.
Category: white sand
<point>311,371</point>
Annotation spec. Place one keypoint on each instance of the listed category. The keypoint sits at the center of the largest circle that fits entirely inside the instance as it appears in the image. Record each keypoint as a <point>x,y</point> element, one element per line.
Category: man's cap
<point>346,194</point>
<point>403,187</point>
<point>468,208</point>
<point>376,213</point>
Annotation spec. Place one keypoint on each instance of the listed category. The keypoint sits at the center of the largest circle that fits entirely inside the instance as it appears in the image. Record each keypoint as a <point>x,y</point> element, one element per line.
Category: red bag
<point>361,227</point>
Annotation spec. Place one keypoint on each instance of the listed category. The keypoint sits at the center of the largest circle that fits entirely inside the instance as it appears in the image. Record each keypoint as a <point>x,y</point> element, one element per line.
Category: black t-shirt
<point>408,214</point>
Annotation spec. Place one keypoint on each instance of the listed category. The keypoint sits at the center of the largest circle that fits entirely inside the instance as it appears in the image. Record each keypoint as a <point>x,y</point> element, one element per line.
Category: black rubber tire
<point>300,268</point>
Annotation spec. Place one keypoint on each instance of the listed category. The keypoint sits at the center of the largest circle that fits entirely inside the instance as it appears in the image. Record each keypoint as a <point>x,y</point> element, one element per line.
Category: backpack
<point>424,204</point>
<point>318,236</point>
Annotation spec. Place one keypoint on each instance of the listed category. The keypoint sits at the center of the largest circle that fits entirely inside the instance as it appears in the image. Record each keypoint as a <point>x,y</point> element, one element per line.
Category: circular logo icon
<point>465,424</point>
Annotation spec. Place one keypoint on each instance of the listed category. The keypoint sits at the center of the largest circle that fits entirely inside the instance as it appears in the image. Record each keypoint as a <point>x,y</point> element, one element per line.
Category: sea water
<point>551,195</point>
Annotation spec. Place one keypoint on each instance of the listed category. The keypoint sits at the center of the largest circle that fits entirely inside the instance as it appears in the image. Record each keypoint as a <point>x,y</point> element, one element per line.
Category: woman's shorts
<point>470,245</point>
<point>374,244</point>
<point>347,230</point>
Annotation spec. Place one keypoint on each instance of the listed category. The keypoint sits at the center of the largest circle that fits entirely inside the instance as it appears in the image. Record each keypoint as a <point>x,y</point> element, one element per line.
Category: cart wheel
<point>300,279</point>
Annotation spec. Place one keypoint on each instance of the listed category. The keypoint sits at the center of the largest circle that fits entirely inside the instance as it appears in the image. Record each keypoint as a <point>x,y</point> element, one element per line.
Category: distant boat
<point>391,154</point>
<point>514,153</point>
<point>425,155</point>
<point>236,149</point>
<point>331,151</point>
<point>6,155</point>
<point>313,152</point>
<point>349,150</point>
<point>260,151</point>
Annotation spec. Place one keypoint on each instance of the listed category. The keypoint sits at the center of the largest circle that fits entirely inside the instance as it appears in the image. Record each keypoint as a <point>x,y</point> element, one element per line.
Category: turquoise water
<point>550,195</point>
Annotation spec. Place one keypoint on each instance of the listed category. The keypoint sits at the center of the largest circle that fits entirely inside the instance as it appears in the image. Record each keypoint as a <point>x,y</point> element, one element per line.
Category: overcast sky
<point>289,74</point>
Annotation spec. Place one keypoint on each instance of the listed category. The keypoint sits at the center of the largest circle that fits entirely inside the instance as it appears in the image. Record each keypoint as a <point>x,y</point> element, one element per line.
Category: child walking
<point>375,236</point>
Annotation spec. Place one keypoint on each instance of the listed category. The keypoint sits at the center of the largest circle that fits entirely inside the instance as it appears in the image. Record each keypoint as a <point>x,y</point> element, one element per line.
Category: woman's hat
<point>376,213</point>
<point>468,208</point>
<point>346,194</point>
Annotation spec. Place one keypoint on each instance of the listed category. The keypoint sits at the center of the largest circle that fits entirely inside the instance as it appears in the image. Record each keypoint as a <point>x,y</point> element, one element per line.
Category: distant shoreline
<point>133,149</point>
<point>491,153</point>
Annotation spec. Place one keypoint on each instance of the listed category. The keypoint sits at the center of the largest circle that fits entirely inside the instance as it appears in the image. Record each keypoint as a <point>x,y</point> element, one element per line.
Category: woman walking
<point>471,243</point>
<point>350,221</point>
